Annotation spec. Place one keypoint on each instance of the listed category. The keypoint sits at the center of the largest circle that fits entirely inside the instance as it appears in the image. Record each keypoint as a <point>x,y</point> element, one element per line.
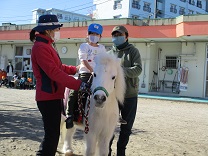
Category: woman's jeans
<point>51,116</point>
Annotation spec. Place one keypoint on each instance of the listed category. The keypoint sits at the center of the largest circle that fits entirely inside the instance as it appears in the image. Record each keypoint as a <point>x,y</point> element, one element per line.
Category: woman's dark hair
<point>32,35</point>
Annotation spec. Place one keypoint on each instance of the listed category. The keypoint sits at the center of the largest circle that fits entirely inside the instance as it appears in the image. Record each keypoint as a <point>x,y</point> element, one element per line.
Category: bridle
<point>101,88</point>
<point>81,95</point>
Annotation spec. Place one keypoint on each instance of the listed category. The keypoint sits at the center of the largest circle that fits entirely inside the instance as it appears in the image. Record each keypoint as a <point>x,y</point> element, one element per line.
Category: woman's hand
<point>78,68</point>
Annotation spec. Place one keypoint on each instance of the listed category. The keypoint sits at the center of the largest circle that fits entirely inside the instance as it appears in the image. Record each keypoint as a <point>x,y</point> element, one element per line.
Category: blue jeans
<point>128,113</point>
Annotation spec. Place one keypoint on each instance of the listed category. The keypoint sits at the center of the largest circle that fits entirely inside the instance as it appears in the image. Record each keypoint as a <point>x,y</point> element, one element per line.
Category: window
<point>22,59</point>
<point>66,18</point>
<point>191,12</point>
<point>173,8</point>
<point>19,51</point>
<point>146,7</point>
<point>135,17</point>
<point>59,16</point>
<point>159,13</point>
<point>76,19</point>
<point>191,2</point>
<point>117,5</point>
<point>18,63</point>
<point>117,16</point>
<point>199,4</point>
<point>135,4</point>
<point>182,11</point>
<point>18,58</point>
<point>171,62</point>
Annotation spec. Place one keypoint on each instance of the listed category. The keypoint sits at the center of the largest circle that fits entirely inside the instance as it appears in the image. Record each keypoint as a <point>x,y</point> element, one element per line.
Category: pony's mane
<point>105,58</point>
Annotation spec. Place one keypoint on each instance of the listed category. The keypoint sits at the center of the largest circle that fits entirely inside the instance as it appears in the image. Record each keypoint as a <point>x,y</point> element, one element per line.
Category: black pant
<point>128,113</point>
<point>51,116</point>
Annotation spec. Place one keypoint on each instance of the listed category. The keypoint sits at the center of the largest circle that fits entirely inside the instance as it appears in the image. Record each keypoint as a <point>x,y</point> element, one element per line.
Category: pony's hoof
<point>69,153</point>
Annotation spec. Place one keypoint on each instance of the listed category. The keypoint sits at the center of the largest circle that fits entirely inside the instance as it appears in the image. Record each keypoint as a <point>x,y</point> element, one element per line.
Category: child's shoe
<point>69,122</point>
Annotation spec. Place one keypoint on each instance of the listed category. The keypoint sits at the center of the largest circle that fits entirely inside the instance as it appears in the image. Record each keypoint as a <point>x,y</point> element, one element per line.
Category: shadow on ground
<point>22,122</point>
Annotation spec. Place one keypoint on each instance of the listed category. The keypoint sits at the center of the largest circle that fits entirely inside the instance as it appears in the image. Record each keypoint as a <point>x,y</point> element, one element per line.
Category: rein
<point>81,95</point>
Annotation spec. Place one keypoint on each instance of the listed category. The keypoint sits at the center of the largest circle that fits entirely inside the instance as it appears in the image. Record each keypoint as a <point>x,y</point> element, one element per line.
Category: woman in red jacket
<point>51,79</point>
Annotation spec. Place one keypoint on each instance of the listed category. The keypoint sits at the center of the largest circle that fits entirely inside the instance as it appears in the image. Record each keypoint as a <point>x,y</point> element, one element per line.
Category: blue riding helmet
<point>95,28</point>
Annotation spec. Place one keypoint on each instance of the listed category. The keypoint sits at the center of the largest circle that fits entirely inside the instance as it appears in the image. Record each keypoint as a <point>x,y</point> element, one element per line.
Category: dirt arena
<point>162,128</point>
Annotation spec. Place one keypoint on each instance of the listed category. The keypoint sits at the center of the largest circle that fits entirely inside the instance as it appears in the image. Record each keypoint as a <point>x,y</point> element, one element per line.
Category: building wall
<point>103,13</point>
<point>147,65</point>
<point>63,16</point>
<point>127,11</point>
<point>185,5</point>
<point>8,51</point>
<point>195,61</point>
<point>71,56</point>
<point>191,57</point>
<point>23,65</point>
<point>180,37</point>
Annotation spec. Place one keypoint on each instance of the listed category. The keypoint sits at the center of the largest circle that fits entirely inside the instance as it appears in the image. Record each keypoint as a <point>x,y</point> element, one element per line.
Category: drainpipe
<point>155,15</point>
<point>158,66</point>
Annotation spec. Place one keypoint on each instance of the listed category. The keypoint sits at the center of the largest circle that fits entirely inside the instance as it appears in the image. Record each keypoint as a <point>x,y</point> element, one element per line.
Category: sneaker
<point>69,122</point>
<point>122,121</point>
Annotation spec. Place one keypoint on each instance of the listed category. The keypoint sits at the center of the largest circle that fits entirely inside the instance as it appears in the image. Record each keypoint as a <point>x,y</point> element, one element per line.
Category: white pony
<point>108,88</point>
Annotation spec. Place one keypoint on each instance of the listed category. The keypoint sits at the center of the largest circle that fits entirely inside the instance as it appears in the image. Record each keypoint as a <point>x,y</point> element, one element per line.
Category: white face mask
<point>56,36</point>
<point>93,39</point>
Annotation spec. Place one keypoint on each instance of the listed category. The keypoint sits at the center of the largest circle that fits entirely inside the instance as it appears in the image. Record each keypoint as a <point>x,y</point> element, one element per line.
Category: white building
<point>141,9</point>
<point>63,16</point>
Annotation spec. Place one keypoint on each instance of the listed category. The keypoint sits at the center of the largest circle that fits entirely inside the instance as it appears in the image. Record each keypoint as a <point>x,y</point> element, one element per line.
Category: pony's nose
<point>100,99</point>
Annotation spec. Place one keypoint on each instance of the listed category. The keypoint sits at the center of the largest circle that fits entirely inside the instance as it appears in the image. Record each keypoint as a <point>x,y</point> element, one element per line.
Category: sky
<point>20,11</point>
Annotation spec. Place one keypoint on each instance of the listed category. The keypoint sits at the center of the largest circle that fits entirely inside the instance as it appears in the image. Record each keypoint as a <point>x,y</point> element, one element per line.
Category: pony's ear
<point>120,84</point>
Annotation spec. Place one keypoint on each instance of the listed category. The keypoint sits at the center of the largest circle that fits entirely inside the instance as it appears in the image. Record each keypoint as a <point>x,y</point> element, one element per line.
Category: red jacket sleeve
<point>70,70</point>
<point>48,64</point>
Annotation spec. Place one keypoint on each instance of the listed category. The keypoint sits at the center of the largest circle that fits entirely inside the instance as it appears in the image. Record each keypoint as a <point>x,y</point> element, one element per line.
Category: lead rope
<point>81,108</point>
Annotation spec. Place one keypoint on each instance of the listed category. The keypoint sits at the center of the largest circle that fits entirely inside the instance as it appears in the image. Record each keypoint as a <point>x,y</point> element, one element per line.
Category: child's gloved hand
<point>84,87</point>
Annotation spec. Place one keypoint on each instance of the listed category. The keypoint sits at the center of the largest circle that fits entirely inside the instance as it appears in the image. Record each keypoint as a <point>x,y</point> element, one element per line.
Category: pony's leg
<point>62,129</point>
<point>104,140</point>
<point>103,146</point>
<point>90,144</point>
<point>67,147</point>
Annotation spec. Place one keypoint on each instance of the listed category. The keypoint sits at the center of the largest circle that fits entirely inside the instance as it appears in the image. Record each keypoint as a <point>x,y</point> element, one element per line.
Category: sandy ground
<point>162,128</point>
